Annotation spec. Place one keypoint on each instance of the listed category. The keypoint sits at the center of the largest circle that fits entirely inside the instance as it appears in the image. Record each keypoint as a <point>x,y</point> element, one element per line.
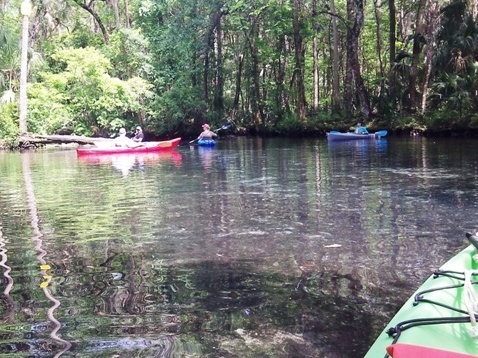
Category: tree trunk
<point>213,42</point>
<point>206,77</point>
<point>299,64</point>
<point>356,17</point>
<point>417,49</point>
<point>126,14</point>
<point>32,139</point>
<point>315,55</point>
<point>316,74</point>
<point>349,101</point>
<point>254,74</point>
<point>97,18</point>
<point>282,99</point>
<point>378,20</point>
<point>336,105</point>
<point>432,21</point>
<point>114,5</point>
<point>391,45</point>
<point>256,108</point>
<point>219,77</point>
<point>237,95</point>
<point>25,9</point>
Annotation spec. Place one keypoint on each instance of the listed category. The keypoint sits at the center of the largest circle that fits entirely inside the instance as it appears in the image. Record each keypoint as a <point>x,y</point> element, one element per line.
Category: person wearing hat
<point>123,141</point>
<point>207,133</point>
<point>138,135</point>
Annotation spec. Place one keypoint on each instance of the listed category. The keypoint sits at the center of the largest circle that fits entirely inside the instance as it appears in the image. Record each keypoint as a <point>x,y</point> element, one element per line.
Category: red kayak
<point>144,147</point>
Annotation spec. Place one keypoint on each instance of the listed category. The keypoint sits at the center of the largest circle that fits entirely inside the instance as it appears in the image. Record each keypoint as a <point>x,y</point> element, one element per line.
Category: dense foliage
<point>270,66</point>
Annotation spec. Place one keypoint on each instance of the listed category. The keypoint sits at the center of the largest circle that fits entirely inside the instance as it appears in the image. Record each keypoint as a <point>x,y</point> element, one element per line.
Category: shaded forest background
<point>271,67</point>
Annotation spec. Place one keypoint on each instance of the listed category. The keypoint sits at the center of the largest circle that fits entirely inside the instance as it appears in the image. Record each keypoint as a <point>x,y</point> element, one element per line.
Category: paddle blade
<point>225,127</point>
<point>381,133</point>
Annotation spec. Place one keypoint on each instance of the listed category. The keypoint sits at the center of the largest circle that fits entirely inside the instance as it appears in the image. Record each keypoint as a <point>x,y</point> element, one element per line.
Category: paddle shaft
<point>473,239</point>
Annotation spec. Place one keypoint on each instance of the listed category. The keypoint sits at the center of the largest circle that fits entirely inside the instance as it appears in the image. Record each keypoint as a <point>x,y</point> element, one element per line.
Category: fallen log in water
<point>35,140</point>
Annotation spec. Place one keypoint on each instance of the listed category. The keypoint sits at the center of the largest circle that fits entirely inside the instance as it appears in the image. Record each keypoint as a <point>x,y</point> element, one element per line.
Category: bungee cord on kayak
<point>470,302</point>
<point>444,311</point>
<point>420,298</point>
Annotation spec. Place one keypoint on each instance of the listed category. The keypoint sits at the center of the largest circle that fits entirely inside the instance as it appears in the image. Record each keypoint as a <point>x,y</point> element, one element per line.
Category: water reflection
<point>206,154</point>
<point>358,147</point>
<point>165,346</point>
<point>283,248</point>
<point>125,163</point>
<point>44,266</point>
<point>8,302</point>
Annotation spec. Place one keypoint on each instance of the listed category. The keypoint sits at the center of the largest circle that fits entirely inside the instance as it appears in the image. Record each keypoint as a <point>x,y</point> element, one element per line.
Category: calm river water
<point>256,248</point>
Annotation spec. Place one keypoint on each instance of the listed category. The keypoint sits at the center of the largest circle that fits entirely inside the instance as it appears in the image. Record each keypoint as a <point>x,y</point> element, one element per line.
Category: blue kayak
<point>338,136</point>
<point>206,142</point>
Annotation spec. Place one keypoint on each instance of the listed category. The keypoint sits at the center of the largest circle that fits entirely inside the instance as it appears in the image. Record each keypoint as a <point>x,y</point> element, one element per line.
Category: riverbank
<point>33,141</point>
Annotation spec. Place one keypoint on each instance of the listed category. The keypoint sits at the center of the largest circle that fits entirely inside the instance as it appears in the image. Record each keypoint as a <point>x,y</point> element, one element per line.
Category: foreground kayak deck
<point>146,147</point>
<point>435,322</point>
<point>336,136</point>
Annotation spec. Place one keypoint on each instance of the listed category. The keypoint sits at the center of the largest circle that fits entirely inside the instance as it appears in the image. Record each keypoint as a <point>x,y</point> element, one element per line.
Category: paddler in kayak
<point>138,135</point>
<point>360,129</point>
<point>207,133</point>
<point>123,141</point>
